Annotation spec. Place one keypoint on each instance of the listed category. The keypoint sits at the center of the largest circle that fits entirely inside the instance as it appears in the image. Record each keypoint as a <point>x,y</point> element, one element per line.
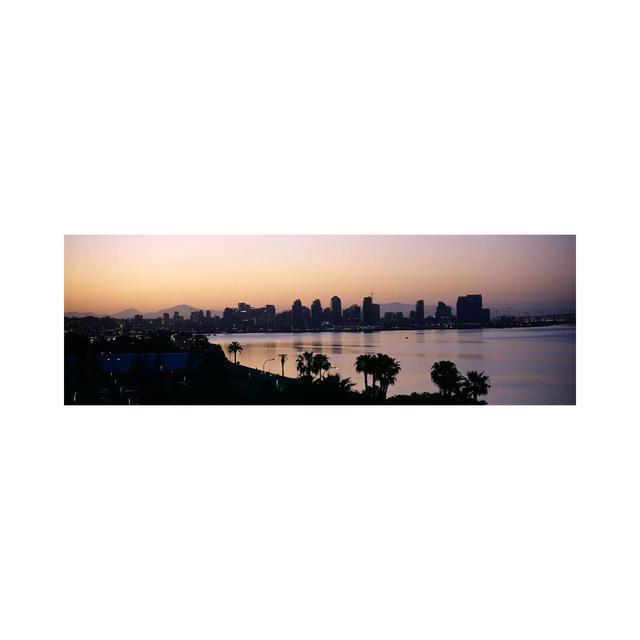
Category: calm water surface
<point>526,366</point>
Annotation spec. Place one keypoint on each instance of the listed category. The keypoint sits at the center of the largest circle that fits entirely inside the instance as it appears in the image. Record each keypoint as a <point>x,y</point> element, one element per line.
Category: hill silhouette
<point>183,309</point>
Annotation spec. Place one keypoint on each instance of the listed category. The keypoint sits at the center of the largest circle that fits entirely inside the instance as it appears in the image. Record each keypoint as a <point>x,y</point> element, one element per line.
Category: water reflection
<point>526,366</point>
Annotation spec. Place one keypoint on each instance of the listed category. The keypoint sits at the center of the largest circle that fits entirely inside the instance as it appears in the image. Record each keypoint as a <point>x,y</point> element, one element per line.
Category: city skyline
<point>108,274</point>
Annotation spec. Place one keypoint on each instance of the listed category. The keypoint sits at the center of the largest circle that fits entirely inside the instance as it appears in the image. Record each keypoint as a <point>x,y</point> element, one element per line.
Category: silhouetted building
<point>367,310</point>
<point>208,314</point>
<point>316,312</point>
<point>283,321</point>
<point>351,315</point>
<point>375,314</point>
<point>469,309</point>
<point>486,316</point>
<point>243,306</point>
<point>396,319</point>
<point>443,313</point>
<point>165,319</point>
<point>297,315</point>
<point>336,310</point>
<point>228,317</point>
<point>419,311</point>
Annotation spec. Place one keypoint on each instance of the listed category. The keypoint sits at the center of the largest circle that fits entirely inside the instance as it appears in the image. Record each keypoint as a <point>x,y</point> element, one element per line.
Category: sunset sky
<point>105,274</point>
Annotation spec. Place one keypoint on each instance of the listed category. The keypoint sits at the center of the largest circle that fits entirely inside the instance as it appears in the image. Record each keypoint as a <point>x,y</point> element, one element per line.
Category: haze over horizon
<point>108,274</point>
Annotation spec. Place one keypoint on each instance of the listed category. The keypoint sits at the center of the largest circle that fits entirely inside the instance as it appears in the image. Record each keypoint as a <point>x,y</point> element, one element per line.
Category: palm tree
<point>282,357</point>
<point>476,384</point>
<point>304,364</point>
<point>335,384</point>
<point>375,370</point>
<point>445,376</point>
<point>385,371</point>
<point>364,364</point>
<point>235,347</point>
<point>320,364</point>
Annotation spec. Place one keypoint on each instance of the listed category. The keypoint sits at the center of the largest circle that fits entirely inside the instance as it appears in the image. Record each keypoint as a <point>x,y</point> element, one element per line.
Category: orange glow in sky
<point>105,274</point>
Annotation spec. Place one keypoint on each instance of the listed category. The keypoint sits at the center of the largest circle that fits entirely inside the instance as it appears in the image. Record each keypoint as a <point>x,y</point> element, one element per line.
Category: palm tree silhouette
<point>304,364</point>
<point>385,371</point>
<point>320,364</point>
<point>282,357</point>
<point>364,364</point>
<point>445,376</point>
<point>335,384</point>
<point>235,347</point>
<point>476,384</point>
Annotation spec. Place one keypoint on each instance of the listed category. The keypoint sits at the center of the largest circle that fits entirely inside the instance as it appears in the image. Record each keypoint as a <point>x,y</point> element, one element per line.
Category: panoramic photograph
<point>320,320</point>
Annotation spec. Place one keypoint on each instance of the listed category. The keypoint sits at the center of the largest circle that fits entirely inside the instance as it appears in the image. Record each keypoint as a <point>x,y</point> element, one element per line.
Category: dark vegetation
<point>160,368</point>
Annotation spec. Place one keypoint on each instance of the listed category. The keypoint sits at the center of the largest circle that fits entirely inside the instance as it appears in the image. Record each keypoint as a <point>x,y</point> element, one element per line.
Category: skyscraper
<point>270,316</point>
<point>367,310</point>
<point>316,311</point>
<point>469,309</point>
<point>336,310</point>
<point>443,312</point>
<point>352,315</point>
<point>228,318</point>
<point>419,311</point>
<point>297,317</point>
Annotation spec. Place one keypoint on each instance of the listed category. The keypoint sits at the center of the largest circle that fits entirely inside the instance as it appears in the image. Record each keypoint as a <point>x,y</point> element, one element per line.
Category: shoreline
<point>397,329</point>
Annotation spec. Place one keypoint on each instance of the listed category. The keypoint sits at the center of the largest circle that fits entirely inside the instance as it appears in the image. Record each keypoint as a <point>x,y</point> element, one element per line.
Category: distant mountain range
<point>81,314</point>
<point>183,309</point>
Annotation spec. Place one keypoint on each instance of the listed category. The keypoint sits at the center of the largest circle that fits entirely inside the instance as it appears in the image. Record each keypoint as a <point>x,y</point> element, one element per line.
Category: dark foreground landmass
<point>165,369</point>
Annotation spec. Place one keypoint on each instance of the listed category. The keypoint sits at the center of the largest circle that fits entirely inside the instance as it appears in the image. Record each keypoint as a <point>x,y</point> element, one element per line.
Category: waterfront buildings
<point>352,315</point>
<point>470,310</point>
<point>443,313</point>
<point>336,310</point>
<point>297,318</point>
<point>367,310</point>
<point>316,312</point>
<point>247,319</point>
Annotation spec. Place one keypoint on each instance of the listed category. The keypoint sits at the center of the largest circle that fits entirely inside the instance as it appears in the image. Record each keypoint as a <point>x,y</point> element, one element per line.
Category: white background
<point>332,117</point>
